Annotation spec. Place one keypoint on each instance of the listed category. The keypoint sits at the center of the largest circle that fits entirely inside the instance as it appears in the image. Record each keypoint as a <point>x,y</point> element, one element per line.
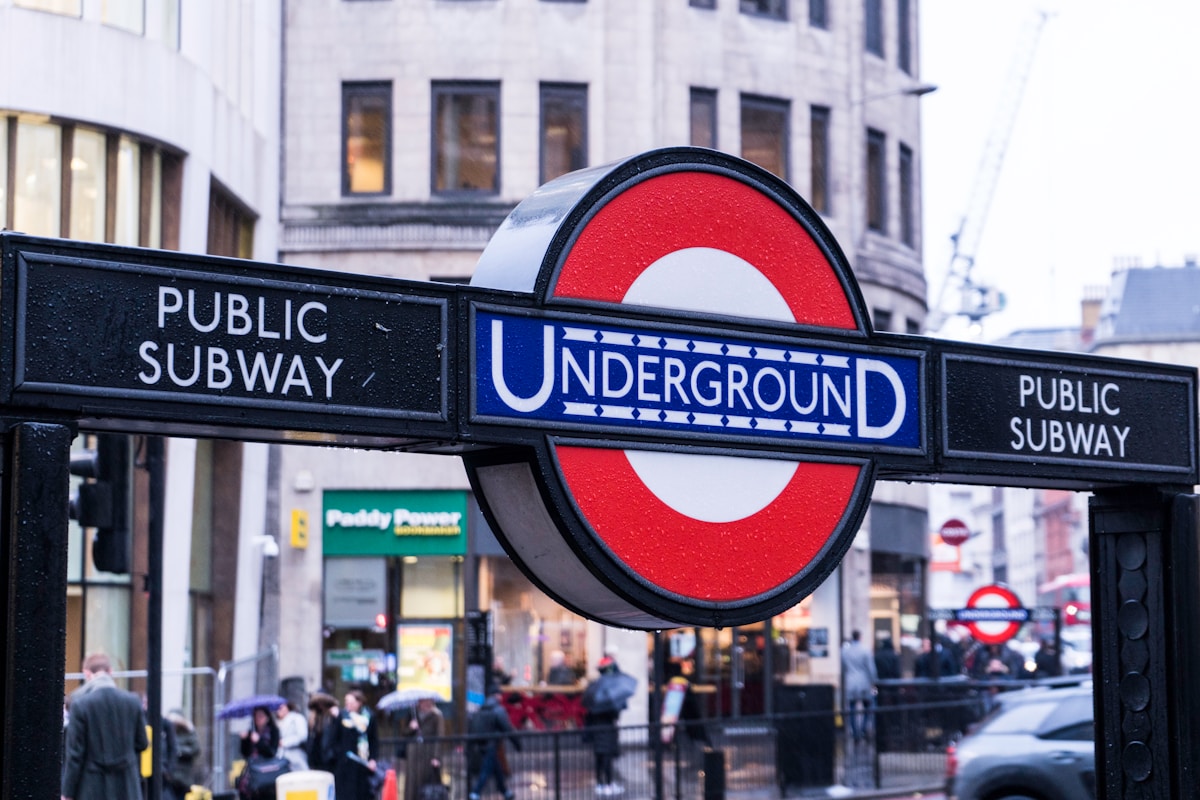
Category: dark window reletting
<point>710,4</point>
<point>366,138</point>
<point>876,181</point>
<point>563,129</point>
<point>818,14</point>
<point>703,110</point>
<point>883,319</point>
<point>873,26</point>
<point>466,138</point>
<point>819,158</point>
<point>903,36</point>
<point>908,216</point>
<point>765,133</point>
<point>775,9</point>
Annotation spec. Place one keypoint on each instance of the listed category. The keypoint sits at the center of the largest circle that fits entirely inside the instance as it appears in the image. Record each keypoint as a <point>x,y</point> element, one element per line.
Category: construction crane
<point>978,300</point>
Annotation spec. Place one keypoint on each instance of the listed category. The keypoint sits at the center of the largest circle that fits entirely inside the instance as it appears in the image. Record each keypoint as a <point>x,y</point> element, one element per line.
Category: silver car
<point>1036,743</point>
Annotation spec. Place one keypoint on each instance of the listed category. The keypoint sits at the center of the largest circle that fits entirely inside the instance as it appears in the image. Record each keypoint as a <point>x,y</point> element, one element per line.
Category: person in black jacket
<point>487,726</point>
<point>887,662</point>
<point>355,748</point>
<point>262,740</point>
<point>321,722</point>
<point>105,734</point>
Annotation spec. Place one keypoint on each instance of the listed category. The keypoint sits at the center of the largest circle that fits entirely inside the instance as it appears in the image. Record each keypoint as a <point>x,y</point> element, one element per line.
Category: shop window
<point>775,9</point>
<point>431,587</point>
<point>128,15</point>
<point>873,26</point>
<point>908,225</point>
<point>38,170</point>
<point>819,160</point>
<point>466,138</point>
<point>564,129</point>
<point>876,181</point>
<point>366,138</point>
<point>69,8</point>
<point>765,133</point>
<point>704,118</point>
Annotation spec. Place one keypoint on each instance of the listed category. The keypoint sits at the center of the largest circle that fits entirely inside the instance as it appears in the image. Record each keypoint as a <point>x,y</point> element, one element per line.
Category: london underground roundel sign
<point>664,289</point>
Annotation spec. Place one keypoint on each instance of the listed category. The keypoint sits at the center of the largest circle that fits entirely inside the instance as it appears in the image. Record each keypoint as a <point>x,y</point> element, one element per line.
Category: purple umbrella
<point>245,706</point>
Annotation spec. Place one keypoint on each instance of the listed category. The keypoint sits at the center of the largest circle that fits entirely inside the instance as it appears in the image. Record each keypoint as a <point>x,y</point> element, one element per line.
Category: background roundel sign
<point>1002,602</point>
<point>644,487</point>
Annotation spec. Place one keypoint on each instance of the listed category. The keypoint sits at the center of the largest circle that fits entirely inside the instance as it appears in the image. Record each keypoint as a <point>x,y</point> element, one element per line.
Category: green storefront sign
<point>394,523</point>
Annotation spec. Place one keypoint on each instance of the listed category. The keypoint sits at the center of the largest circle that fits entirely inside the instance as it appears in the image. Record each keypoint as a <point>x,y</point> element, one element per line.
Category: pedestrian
<point>261,740</point>
<point>560,674</point>
<point>1046,660</point>
<point>600,724</point>
<point>487,726</point>
<point>322,722</point>
<point>887,661</point>
<point>355,748</point>
<point>105,734</point>
<point>858,683</point>
<point>181,773</point>
<point>423,759</point>
<point>293,736</point>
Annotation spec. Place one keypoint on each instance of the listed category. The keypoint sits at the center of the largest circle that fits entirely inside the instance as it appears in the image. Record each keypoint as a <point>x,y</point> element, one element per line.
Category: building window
<point>903,37</point>
<point>69,8</point>
<point>37,209</point>
<point>912,327</point>
<point>5,221</point>
<point>230,224</point>
<point>765,133</point>
<point>908,232</point>
<point>564,129</point>
<point>876,181</point>
<point>128,15</point>
<point>873,26</point>
<point>775,9</point>
<point>819,140</point>
<point>466,138</point>
<point>89,162</point>
<point>818,14</point>
<point>366,138</point>
<point>702,3</point>
<point>703,110</point>
<point>883,319</point>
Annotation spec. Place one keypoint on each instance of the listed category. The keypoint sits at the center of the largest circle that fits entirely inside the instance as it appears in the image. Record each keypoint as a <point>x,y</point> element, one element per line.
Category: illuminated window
<point>4,123</point>
<point>128,213</point>
<point>129,15</point>
<point>765,133</point>
<point>366,138</point>
<point>564,130</point>
<point>466,138</point>
<point>704,118</point>
<point>89,185</point>
<point>69,8</point>
<point>37,209</point>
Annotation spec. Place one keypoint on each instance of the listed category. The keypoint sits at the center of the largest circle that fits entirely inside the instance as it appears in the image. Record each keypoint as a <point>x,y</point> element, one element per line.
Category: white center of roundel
<point>704,487</point>
<point>711,488</point>
<point>709,280</point>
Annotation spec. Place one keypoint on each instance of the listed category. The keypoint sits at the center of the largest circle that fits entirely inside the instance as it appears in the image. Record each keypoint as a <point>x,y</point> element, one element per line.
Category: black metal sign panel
<point>1085,418</point>
<point>110,332</point>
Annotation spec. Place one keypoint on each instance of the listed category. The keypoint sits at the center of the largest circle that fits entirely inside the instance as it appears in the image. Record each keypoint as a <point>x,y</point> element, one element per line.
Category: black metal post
<point>1131,639</point>
<point>33,539</point>
<point>154,613</point>
<point>656,707</point>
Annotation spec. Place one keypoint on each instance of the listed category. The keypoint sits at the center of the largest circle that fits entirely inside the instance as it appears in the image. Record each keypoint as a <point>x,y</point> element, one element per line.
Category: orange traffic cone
<point>389,786</point>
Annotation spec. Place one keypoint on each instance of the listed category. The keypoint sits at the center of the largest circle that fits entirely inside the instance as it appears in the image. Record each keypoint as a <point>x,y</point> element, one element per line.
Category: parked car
<point>1036,743</point>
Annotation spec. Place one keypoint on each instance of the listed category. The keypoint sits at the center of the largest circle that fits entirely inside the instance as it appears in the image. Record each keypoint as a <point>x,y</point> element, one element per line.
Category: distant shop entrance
<point>671,405</point>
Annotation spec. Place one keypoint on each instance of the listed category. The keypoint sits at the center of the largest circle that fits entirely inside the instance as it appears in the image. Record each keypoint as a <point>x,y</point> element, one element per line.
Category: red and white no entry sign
<point>955,532</point>
<point>994,614</point>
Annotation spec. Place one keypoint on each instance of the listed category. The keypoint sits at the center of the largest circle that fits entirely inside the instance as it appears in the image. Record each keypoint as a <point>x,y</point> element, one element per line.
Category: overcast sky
<point>1104,158</point>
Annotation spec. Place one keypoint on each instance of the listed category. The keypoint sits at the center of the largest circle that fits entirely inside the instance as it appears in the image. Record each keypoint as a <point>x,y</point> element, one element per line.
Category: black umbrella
<point>245,706</point>
<point>610,692</point>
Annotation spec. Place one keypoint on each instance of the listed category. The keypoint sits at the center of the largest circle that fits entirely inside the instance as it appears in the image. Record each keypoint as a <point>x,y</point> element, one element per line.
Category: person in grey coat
<point>105,734</point>
<point>858,682</point>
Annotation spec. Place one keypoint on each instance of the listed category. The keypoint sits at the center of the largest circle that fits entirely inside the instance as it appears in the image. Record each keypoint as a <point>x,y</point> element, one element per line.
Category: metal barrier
<point>263,667</point>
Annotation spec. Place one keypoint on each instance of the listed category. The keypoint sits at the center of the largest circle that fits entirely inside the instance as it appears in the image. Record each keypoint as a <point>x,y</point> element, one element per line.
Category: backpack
<point>257,781</point>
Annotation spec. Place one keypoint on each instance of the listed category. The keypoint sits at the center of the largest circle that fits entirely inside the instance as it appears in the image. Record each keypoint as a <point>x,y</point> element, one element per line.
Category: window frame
<point>784,108</point>
<point>441,89</point>
<point>875,180</point>
<point>820,120</point>
<point>704,102</point>
<point>571,94</point>
<point>367,90</point>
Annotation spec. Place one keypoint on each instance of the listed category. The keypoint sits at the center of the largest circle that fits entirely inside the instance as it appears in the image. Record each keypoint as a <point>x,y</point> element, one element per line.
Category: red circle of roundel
<point>676,210</point>
<point>1009,599</point>
<point>706,561</point>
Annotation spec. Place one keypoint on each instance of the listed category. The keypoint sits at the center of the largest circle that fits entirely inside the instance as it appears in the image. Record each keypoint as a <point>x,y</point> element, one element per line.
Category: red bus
<point>1071,595</point>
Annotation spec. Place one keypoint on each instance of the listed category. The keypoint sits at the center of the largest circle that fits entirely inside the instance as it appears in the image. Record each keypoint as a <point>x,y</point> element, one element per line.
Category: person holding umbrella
<point>603,700</point>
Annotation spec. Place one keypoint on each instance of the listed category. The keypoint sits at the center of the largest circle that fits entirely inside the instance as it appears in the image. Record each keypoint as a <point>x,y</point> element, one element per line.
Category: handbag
<point>258,778</point>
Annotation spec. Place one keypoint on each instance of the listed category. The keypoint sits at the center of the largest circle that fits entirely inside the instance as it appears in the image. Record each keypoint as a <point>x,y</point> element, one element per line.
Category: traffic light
<point>105,499</point>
